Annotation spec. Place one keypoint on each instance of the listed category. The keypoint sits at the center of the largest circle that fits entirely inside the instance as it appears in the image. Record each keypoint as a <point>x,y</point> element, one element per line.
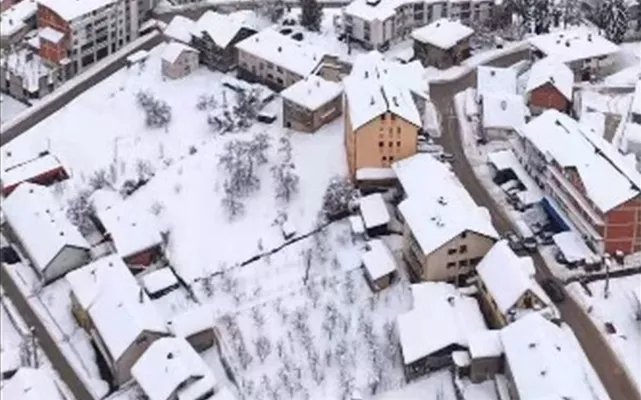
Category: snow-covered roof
<point>374,210</point>
<point>506,281</point>
<point>31,384</point>
<point>357,225</point>
<point>442,33</point>
<point>495,80</point>
<point>72,9</point>
<point>12,19</point>
<point>29,169</point>
<point>276,48</point>
<point>506,159</point>
<point>104,277</point>
<point>484,344</point>
<point>368,11</point>
<point>171,367</point>
<point>373,174</point>
<point>159,280</point>
<point>503,111</point>
<point>313,92</point>
<point>553,72</point>
<point>40,224</point>
<point>438,207</point>
<point>173,50</point>
<point>132,230</point>
<point>568,46</point>
<point>29,66</point>
<point>137,56</point>
<point>51,35</point>
<point>572,246</point>
<point>378,260</point>
<point>636,101</point>
<point>607,182</point>
<point>192,321</point>
<point>222,28</point>
<point>544,364</point>
<point>376,86</point>
<point>180,28</point>
<point>440,317</point>
<point>224,394</point>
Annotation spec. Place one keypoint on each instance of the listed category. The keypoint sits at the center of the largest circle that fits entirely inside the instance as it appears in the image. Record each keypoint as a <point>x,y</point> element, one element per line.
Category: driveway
<point>607,366</point>
<point>59,361</point>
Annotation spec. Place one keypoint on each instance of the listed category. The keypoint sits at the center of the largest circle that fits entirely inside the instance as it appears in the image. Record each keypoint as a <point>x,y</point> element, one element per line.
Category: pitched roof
<point>192,321</point>
<point>378,260</point>
<point>505,278</point>
<point>13,17</point>
<point>72,9</point>
<point>170,366</point>
<point>31,384</point>
<point>441,316</point>
<point>376,86</point>
<point>553,72</point>
<point>370,11</point>
<point>503,111</point>
<point>173,50</point>
<point>495,80</point>
<point>180,28</point>
<point>442,33</point>
<point>131,229</point>
<point>374,210</point>
<point>572,45</point>
<point>276,48</point>
<point>40,224</point>
<point>222,28</point>
<point>437,207</point>
<point>312,92</point>
<point>29,169</point>
<point>606,178</point>
<point>544,363</point>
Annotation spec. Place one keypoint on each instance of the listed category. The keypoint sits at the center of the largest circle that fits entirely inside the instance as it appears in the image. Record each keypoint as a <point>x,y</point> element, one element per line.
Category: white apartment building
<point>379,23</point>
<point>74,34</point>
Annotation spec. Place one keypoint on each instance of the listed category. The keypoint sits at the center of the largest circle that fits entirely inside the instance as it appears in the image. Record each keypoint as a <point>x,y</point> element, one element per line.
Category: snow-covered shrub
<point>80,209</point>
<point>337,196</point>
<point>284,173</point>
<point>157,112</point>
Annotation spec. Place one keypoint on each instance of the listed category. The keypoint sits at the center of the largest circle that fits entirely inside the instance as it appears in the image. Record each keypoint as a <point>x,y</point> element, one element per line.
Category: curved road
<point>617,383</point>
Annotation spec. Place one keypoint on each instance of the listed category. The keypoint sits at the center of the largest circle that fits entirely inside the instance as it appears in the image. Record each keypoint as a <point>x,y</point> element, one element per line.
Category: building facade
<point>311,103</point>
<point>179,60</point>
<point>376,24</point>
<point>442,43</point>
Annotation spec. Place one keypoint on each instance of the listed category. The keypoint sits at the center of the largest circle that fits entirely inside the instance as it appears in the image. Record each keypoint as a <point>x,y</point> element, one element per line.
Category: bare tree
<point>80,209</point>
<point>247,107</point>
<point>311,15</point>
<point>263,348</point>
<point>157,112</point>
<point>284,173</point>
<point>100,180</point>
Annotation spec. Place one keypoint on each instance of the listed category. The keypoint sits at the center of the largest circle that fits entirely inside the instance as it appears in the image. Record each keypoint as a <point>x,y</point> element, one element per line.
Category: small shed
<point>178,60</point>
<point>375,214</point>
<point>358,228</point>
<point>503,115</point>
<point>159,282</point>
<point>311,103</point>
<point>379,264</point>
<point>442,43</point>
<point>196,325</point>
<point>486,351</point>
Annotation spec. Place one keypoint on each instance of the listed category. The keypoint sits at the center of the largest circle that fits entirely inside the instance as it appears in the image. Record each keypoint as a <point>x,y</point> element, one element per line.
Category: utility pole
<point>606,291</point>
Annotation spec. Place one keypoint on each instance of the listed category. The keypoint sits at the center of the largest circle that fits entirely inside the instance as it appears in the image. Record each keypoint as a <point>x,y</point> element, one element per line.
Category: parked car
<point>425,147</point>
<point>554,289</point>
<point>514,241</point>
<point>9,255</point>
<point>266,118</point>
<point>530,243</point>
<point>546,238</point>
<point>447,157</point>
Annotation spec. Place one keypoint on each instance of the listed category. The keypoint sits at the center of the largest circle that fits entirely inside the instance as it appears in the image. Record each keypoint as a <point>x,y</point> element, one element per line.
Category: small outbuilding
<point>442,44</point>
<point>311,103</point>
<point>549,86</point>
<point>178,60</point>
<point>180,29</point>
<point>195,325</point>
<point>379,264</point>
<point>376,216</point>
<point>44,169</point>
<point>159,282</point>
<point>503,115</point>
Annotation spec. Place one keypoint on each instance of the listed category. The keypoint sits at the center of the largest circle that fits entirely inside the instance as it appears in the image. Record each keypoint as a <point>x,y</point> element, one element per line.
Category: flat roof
<point>374,210</point>
<point>442,33</point>
<point>29,169</point>
<point>312,92</point>
<point>503,111</point>
<point>573,45</point>
<point>495,80</point>
<point>72,9</point>
<point>378,259</point>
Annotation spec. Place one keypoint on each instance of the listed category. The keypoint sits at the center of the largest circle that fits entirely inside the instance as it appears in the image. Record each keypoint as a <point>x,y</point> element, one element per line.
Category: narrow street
<point>59,361</point>
<point>617,383</point>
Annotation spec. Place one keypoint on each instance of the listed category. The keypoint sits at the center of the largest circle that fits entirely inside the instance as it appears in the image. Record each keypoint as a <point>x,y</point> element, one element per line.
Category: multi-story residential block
<point>581,50</point>
<point>442,43</point>
<point>376,24</point>
<point>589,179</point>
<point>445,233</point>
<point>215,35</point>
<point>276,60</point>
<point>311,103</point>
<point>549,86</point>
<point>384,105</point>
<point>80,33</point>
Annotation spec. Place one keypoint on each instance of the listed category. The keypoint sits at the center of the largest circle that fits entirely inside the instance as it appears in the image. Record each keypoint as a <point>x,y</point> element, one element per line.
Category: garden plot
<point>616,317</point>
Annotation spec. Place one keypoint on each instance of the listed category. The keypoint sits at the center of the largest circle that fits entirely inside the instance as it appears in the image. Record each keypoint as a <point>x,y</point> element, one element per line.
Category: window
<point>463,263</point>
<point>391,144</point>
<point>451,251</point>
<point>463,249</point>
<point>391,158</point>
<point>391,131</point>
<point>393,117</point>
<point>474,261</point>
<point>451,265</point>
<point>384,158</point>
<point>463,235</point>
<point>382,118</point>
<point>398,130</point>
<point>380,144</point>
<point>398,144</point>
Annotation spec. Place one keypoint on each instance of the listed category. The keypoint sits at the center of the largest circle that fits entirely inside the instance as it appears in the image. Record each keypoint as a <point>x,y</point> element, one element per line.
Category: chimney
<point>170,355</point>
<point>450,300</point>
<point>492,73</point>
<point>141,296</point>
<point>280,49</point>
<point>589,37</point>
<point>567,43</point>
<point>371,101</point>
<point>366,74</point>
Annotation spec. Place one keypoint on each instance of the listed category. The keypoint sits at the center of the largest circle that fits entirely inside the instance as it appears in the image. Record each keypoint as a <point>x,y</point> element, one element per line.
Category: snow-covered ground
<point>621,309</point>
<point>627,65</point>
<point>9,108</point>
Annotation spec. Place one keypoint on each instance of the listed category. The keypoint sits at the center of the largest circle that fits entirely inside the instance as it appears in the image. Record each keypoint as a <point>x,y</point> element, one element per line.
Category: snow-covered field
<point>9,108</point>
<point>621,309</point>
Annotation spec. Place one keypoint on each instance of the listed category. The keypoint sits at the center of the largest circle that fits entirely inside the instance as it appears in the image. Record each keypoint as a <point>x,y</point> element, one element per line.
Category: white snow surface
<point>378,260</point>
<point>12,19</point>
<point>636,102</point>
<point>51,35</point>
<point>71,9</point>
<point>437,304</point>
<point>272,46</point>
<point>485,344</point>
<point>192,321</point>
<point>572,45</point>
<point>158,280</point>
<point>15,174</point>
<point>39,222</point>
<point>171,367</point>
<point>31,384</point>
<point>374,210</point>
<point>442,33</point>
<point>180,28</point>
<point>572,246</point>
<point>312,92</point>
<point>441,210</point>
<point>360,9</point>
<point>548,70</point>
<point>495,80</point>
<point>173,50</point>
<point>222,28</point>
<point>503,111</point>
<point>543,362</point>
<point>560,136</point>
<point>10,107</point>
